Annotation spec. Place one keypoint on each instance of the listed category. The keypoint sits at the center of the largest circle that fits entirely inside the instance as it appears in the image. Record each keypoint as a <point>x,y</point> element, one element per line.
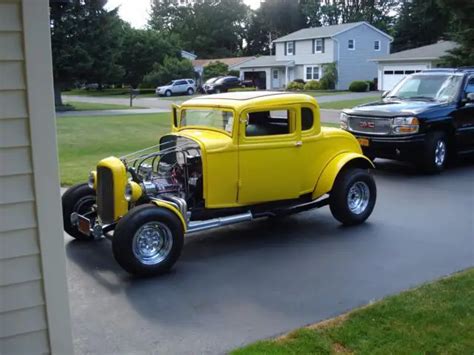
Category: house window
<point>351,44</point>
<point>377,45</point>
<point>290,49</point>
<point>312,73</point>
<point>318,46</point>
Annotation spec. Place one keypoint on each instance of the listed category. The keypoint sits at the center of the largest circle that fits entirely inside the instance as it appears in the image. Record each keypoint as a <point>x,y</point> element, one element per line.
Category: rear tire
<point>148,240</point>
<point>190,91</point>
<point>353,196</point>
<point>435,155</point>
<point>80,199</point>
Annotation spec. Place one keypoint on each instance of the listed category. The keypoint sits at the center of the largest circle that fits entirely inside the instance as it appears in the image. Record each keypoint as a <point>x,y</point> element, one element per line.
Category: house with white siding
<point>302,54</point>
<point>34,309</point>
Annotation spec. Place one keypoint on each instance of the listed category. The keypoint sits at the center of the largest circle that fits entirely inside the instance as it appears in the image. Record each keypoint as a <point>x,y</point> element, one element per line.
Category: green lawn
<point>109,92</point>
<point>436,318</point>
<point>89,106</point>
<point>83,141</point>
<point>339,105</point>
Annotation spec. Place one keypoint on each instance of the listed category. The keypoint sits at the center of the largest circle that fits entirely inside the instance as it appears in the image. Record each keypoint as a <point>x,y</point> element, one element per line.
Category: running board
<point>198,226</point>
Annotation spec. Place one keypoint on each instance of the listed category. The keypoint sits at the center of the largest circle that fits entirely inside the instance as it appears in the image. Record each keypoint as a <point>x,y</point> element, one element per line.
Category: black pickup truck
<point>426,118</point>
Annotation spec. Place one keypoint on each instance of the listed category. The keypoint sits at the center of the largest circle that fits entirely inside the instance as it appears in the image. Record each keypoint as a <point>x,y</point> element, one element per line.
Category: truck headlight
<point>405,125</point>
<point>343,120</point>
<point>92,181</point>
<point>133,191</point>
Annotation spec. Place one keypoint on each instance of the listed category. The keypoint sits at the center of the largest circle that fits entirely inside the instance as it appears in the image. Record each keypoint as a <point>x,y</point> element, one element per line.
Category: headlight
<point>92,180</point>
<point>405,125</point>
<point>133,191</point>
<point>343,119</point>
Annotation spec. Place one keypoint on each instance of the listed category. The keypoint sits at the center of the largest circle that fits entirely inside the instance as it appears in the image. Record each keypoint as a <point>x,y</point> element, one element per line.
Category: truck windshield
<point>436,87</point>
<point>212,118</point>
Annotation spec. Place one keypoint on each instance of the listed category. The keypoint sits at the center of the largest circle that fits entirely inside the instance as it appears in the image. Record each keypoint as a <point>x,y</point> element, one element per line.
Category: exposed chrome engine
<point>171,169</point>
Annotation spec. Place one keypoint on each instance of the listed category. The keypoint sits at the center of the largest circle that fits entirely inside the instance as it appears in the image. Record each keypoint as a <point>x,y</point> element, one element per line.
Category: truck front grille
<point>105,195</point>
<point>369,125</point>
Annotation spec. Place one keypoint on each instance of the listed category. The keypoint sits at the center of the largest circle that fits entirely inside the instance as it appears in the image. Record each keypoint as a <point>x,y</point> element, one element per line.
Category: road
<point>256,280</point>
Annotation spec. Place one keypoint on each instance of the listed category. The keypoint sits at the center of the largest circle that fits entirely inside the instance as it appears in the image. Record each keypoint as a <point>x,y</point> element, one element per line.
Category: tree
<point>274,18</point>
<point>209,28</point>
<point>141,50</point>
<point>420,22</point>
<point>214,69</point>
<point>462,31</point>
<point>172,68</point>
<point>85,41</point>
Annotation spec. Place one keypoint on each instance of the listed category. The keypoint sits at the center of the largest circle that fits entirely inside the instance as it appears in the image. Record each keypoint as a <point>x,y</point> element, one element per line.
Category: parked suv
<point>223,85</point>
<point>425,118</point>
<point>180,86</point>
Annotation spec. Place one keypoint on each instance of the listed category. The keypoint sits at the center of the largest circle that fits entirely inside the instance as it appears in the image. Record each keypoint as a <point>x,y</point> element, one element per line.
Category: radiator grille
<point>105,195</point>
<point>372,125</point>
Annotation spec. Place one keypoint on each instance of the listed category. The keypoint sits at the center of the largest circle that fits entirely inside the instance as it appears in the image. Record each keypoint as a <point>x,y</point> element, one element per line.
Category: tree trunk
<point>58,100</point>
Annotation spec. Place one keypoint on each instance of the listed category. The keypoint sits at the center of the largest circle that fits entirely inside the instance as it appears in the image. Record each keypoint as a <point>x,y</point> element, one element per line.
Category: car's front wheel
<point>435,155</point>
<point>168,93</point>
<point>148,240</point>
<point>80,199</point>
<point>353,196</point>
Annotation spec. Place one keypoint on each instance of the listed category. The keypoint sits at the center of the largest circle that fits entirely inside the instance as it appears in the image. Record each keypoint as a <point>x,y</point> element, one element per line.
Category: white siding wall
<point>23,308</point>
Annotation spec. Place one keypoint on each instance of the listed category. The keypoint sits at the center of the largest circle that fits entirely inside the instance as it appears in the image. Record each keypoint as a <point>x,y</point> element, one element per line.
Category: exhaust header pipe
<point>198,226</point>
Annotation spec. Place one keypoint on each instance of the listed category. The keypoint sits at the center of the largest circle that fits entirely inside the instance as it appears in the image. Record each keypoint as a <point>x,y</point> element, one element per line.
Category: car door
<point>464,118</point>
<point>179,87</point>
<point>269,144</point>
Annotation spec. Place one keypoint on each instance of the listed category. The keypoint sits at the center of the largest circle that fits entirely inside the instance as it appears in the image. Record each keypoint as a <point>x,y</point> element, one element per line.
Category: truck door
<point>269,155</point>
<point>464,119</point>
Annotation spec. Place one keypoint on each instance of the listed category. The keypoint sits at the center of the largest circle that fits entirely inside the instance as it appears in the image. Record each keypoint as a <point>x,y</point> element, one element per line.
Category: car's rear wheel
<point>190,91</point>
<point>353,196</point>
<point>435,155</point>
<point>148,240</point>
<point>168,93</point>
<point>80,199</point>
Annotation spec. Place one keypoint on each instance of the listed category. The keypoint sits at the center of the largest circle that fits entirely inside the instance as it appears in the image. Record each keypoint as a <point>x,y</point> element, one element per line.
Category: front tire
<point>168,93</point>
<point>148,240</point>
<point>80,199</point>
<point>436,153</point>
<point>353,196</point>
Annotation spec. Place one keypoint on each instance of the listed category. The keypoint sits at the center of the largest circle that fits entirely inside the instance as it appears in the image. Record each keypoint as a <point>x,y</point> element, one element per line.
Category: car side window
<point>307,118</point>
<point>180,82</point>
<point>267,123</point>
<point>469,86</point>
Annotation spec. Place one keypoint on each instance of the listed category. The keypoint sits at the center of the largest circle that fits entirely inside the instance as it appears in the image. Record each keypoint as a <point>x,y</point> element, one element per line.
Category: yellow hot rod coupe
<point>230,158</point>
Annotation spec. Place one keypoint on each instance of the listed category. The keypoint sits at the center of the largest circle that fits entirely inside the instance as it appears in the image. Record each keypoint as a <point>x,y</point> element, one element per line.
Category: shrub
<point>329,78</point>
<point>295,86</point>
<point>234,73</point>
<point>358,86</point>
<point>299,81</point>
<point>312,85</point>
<point>172,68</point>
<point>214,69</point>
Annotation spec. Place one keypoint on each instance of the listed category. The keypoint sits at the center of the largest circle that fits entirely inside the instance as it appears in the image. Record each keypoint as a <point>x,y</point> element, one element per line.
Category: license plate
<point>364,142</point>
<point>84,225</point>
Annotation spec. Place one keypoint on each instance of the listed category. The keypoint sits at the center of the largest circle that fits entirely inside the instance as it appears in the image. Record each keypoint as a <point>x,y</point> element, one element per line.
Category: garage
<point>396,66</point>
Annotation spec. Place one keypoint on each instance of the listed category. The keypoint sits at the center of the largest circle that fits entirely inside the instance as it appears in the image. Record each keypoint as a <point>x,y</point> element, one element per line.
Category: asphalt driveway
<point>259,279</point>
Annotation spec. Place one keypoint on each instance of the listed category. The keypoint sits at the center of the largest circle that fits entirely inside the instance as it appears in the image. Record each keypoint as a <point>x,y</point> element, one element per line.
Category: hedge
<point>358,86</point>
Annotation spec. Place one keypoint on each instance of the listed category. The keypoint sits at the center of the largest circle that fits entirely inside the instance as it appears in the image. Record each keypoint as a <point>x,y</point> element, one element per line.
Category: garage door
<point>393,74</point>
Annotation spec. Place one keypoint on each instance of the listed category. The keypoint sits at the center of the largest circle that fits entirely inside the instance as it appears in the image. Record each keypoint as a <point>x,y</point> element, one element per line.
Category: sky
<point>136,11</point>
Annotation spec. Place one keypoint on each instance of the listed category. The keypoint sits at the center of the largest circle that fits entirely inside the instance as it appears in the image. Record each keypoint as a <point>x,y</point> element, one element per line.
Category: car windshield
<point>435,87</point>
<point>169,84</point>
<point>212,118</point>
<point>211,80</point>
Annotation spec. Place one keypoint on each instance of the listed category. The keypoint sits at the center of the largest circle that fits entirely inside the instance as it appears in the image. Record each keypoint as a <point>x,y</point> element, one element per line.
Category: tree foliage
<point>214,69</point>
<point>171,68</point>
<point>420,22</point>
<point>209,28</point>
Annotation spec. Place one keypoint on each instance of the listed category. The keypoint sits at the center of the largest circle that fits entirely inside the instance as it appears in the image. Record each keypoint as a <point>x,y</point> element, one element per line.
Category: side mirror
<point>385,93</point>
<point>470,97</point>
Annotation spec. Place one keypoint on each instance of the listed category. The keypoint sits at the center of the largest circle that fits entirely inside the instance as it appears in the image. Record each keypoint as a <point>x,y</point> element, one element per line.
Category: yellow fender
<point>173,209</point>
<point>328,177</point>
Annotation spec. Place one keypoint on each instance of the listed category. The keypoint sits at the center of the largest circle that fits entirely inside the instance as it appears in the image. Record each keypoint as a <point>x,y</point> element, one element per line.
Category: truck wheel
<point>168,93</point>
<point>435,155</point>
<point>79,198</point>
<point>353,196</point>
<point>148,240</point>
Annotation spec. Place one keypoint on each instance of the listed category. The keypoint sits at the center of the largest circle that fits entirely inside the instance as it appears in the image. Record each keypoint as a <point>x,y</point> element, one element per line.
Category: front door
<point>464,119</point>
<point>275,79</point>
<point>269,155</point>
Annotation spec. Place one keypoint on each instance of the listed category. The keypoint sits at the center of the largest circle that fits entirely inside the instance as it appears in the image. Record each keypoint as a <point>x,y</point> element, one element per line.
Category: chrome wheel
<point>152,243</point>
<point>358,197</point>
<point>440,153</point>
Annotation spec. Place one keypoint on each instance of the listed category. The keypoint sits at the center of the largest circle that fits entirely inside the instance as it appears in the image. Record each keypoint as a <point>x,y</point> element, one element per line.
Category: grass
<point>339,105</point>
<point>108,92</point>
<point>92,106</point>
<point>317,93</point>
<point>436,318</point>
<point>83,141</point>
